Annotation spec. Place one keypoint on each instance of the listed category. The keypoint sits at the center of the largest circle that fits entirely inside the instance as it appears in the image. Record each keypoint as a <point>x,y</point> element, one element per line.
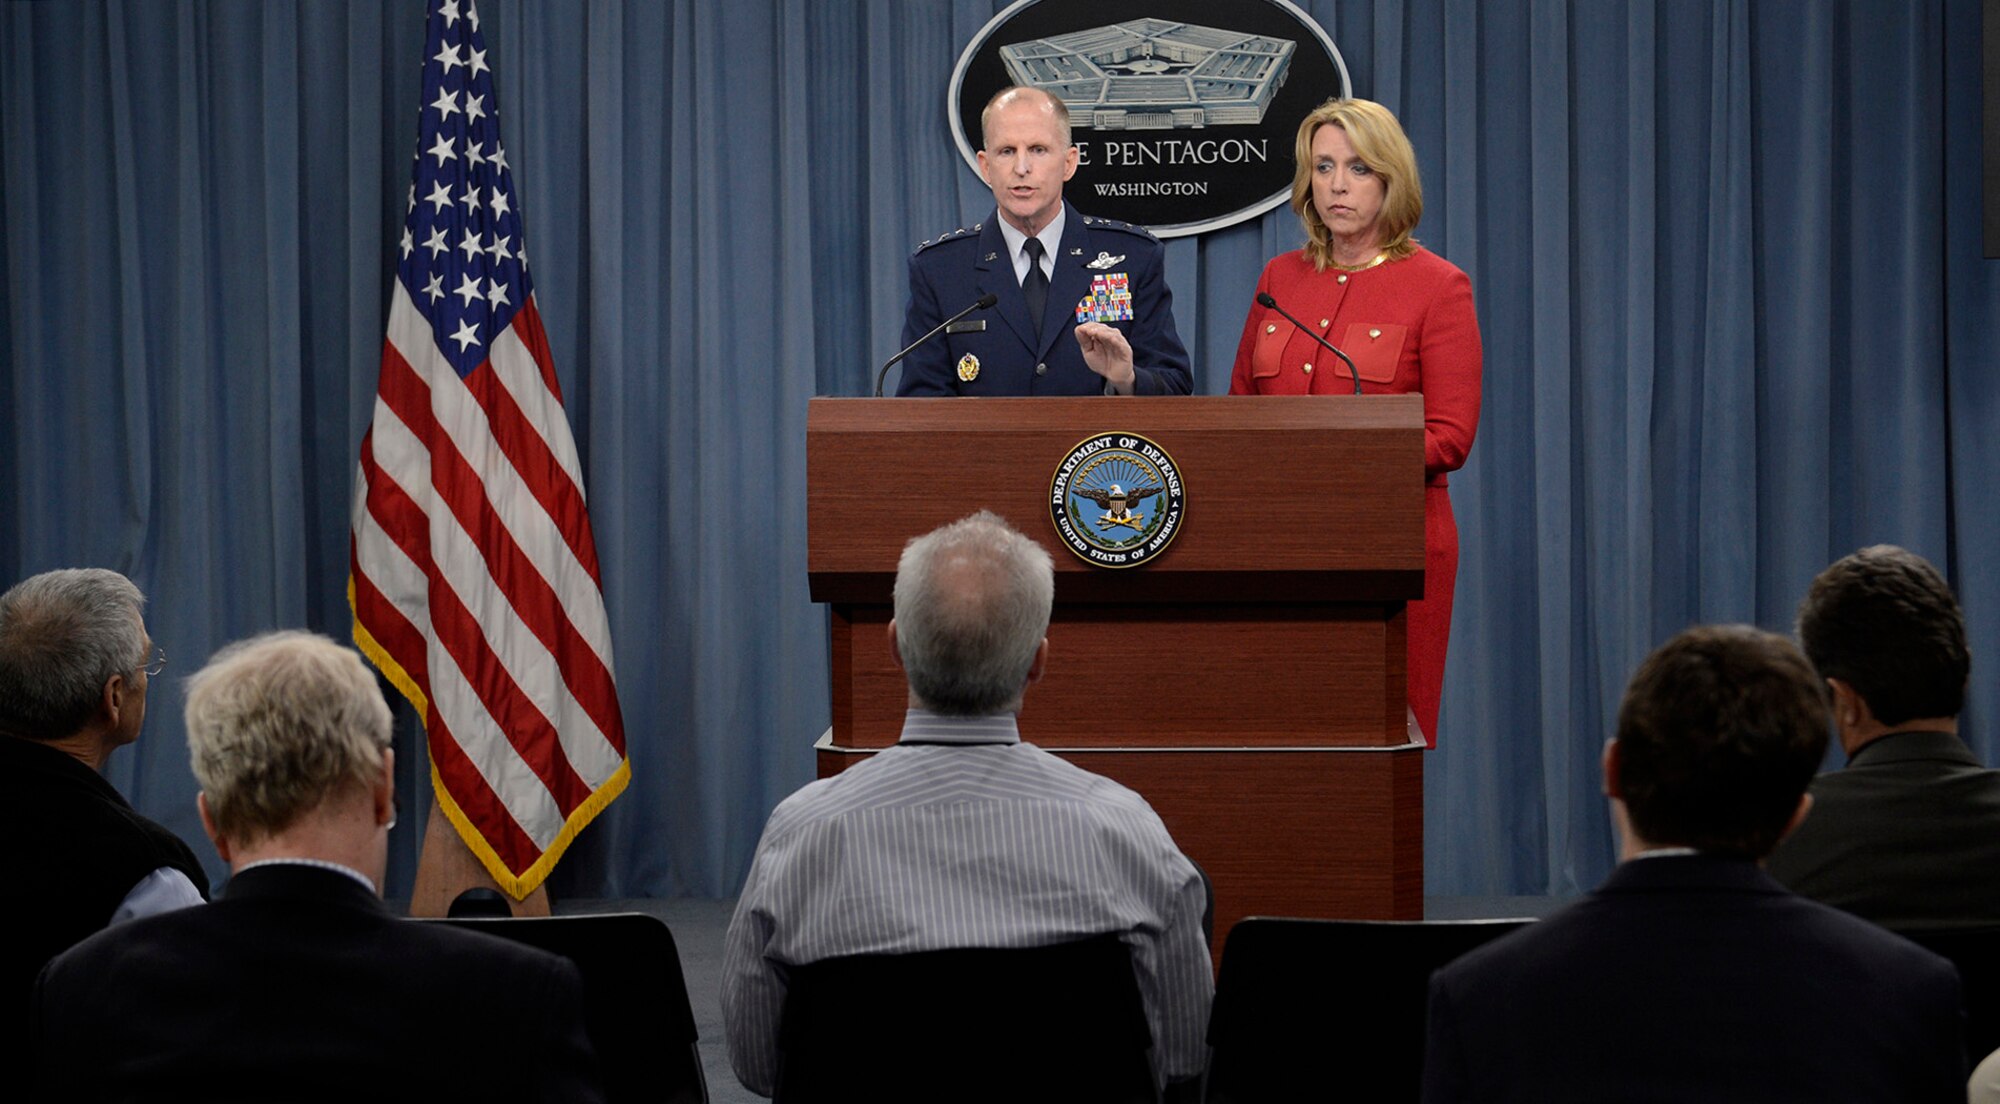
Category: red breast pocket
<point>1266,356</point>
<point>1376,349</point>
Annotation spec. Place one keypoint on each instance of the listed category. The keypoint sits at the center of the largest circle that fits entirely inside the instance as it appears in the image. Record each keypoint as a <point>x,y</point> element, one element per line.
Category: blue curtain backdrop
<point>1726,257</point>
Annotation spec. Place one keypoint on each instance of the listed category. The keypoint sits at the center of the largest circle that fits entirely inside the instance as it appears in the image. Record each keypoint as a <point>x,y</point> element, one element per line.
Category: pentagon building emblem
<point>1184,112</point>
<point>1116,500</point>
<point>1155,73</point>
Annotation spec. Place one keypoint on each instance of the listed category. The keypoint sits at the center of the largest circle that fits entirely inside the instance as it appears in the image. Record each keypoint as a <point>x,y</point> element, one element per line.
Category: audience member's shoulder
<point>478,948</point>
<point>1841,785</point>
<point>1865,939</point>
<point>1861,952</point>
<point>1984,1085</point>
<point>105,947</point>
<point>488,970</point>
<point>819,798</point>
<point>1069,781</point>
<point>1517,954</point>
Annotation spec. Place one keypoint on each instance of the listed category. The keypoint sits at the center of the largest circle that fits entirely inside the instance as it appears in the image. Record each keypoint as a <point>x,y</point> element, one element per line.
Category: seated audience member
<point>961,835</point>
<point>1908,833</point>
<point>1690,974</point>
<point>74,669</point>
<point>297,984</point>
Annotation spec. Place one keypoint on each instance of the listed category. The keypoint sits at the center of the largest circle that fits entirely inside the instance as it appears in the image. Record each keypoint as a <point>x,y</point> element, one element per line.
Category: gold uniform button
<point>1309,369</point>
<point>1325,322</point>
<point>1373,334</point>
<point>1271,328</point>
<point>1343,278</point>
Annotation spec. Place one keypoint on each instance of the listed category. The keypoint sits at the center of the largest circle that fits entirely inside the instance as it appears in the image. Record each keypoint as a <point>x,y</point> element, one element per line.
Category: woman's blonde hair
<point>1379,141</point>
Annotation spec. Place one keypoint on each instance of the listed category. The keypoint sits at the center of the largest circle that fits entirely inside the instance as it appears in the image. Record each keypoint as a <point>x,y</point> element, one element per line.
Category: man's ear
<point>385,791</point>
<point>1612,786</point>
<point>1798,815</point>
<point>895,648</point>
<point>1849,707</point>
<point>1040,663</point>
<point>215,835</point>
<point>114,700</point>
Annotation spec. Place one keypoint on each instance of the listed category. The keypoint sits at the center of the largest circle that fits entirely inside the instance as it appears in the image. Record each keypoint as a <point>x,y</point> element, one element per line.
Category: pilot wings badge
<point>1104,259</point>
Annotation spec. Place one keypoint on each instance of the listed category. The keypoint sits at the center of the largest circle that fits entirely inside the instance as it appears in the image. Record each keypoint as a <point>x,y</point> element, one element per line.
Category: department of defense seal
<point>1116,500</point>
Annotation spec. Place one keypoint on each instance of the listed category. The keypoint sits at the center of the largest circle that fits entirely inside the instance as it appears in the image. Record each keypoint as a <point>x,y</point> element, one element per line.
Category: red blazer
<point>1408,324</point>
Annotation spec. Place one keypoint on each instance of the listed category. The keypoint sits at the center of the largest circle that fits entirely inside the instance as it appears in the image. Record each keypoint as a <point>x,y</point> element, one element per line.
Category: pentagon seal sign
<point>1184,112</point>
<point>1116,500</point>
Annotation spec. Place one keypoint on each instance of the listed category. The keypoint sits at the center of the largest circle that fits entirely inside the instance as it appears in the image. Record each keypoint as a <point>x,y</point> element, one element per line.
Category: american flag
<point>473,576</point>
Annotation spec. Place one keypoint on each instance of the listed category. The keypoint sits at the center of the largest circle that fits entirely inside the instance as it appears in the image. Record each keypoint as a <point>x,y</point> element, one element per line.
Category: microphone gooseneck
<point>1264,300</point>
<point>982,303</point>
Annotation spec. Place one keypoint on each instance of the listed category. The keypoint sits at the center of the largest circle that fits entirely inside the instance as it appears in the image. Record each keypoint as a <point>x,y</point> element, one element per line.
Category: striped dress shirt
<point>963,836</point>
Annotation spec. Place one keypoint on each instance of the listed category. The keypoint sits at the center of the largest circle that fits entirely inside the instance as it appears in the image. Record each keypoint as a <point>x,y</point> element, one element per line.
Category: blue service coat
<point>955,270</point>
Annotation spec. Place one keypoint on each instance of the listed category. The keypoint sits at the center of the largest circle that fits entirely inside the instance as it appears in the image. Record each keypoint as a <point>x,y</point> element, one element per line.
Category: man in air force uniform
<point>1083,308</point>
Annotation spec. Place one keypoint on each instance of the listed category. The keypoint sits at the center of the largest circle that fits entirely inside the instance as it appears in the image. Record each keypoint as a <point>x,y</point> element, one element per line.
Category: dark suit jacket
<point>1908,835</point>
<point>1696,978</point>
<point>1006,358</point>
<point>81,850</point>
<point>298,985</point>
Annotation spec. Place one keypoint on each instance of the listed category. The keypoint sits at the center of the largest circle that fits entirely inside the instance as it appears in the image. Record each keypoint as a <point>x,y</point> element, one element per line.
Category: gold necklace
<point>1379,258</point>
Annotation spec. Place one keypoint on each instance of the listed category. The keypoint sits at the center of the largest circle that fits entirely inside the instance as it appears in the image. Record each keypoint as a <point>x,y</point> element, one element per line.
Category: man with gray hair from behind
<point>75,666</point>
<point>297,983</point>
<point>961,835</point>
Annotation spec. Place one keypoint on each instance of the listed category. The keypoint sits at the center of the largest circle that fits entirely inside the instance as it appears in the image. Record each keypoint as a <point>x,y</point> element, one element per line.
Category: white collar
<point>1050,237</point>
<point>921,726</point>
<point>1666,853</point>
<point>321,864</point>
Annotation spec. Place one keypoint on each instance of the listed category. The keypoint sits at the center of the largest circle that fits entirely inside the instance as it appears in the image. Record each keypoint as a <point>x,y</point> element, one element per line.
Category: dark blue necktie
<point>1035,289</point>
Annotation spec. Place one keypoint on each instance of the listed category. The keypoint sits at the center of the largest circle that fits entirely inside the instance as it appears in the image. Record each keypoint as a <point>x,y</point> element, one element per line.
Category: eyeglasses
<point>158,663</point>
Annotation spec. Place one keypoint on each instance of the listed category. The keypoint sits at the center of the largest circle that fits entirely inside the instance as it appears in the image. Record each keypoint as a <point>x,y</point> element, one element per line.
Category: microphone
<point>979,304</point>
<point>1264,299</point>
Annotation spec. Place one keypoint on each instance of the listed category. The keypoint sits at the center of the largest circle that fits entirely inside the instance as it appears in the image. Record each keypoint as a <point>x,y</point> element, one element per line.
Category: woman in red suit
<point>1402,312</point>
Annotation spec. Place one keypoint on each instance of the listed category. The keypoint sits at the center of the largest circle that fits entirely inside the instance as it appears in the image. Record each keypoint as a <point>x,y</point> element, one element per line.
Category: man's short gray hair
<point>972,608</point>
<point>63,635</point>
<point>279,723</point>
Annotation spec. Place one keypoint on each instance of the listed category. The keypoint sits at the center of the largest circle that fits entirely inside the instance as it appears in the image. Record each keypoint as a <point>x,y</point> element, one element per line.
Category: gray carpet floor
<point>698,927</point>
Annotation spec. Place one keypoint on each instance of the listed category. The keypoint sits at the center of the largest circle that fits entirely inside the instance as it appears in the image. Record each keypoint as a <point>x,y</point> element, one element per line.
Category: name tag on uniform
<point>967,325</point>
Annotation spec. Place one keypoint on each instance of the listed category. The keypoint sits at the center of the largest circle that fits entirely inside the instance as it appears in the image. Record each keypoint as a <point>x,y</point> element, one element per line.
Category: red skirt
<point>1428,621</point>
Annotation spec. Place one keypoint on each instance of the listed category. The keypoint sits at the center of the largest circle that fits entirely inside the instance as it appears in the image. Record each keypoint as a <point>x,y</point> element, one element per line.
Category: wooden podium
<point>1248,681</point>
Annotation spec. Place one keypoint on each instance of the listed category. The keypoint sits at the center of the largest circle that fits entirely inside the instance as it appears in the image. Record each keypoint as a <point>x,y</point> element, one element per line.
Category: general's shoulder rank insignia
<point>968,368</point>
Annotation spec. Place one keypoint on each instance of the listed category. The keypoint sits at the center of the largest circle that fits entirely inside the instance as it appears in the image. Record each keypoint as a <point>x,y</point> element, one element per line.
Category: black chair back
<point>1329,1009</point>
<point>1057,1023</point>
<point>1976,953</point>
<point>635,999</point>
